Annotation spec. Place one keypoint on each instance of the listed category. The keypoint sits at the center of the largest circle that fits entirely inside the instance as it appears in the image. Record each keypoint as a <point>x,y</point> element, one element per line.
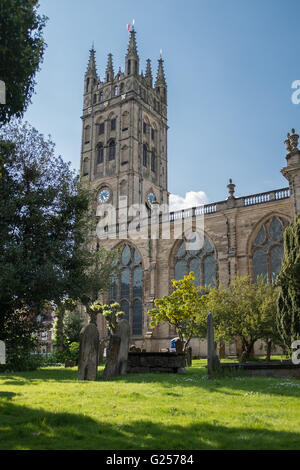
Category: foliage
<point>111,313</point>
<point>21,52</point>
<point>73,323</point>
<point>180,309</point>
<point>46,227</point>
<point>74,351</point>
<point>60,338</point>
<point>20,333</point>
<point>288,281</point>
<point>244,310</point>
<point>41,209</point>
<point>89,283</point>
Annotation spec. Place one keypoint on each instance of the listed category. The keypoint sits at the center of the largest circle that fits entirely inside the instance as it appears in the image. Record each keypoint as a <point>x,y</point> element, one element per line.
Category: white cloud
<point>191,199</point>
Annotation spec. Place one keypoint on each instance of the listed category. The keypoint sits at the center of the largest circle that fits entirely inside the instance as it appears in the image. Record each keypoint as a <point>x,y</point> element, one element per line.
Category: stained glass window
<point>267,249</point>
<point>202,262</point>
<point>127,289</point>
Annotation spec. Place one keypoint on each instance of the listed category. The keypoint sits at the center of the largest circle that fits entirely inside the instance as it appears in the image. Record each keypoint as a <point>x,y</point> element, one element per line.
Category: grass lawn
<point>50,409</point>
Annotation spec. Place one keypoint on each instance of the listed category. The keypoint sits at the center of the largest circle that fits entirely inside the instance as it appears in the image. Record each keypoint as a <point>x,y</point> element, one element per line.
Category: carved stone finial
<point>291,142</point>
<point>231,189</point>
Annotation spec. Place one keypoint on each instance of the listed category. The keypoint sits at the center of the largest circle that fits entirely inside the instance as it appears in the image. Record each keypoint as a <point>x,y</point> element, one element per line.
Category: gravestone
<point>69,363</point>
<point>117,353</point>
<point>123,331</point>
<point>188,357</point>
<point>88,353</point>
<point>213,363</point>
<point>2,353</point>
<point>178,345</point>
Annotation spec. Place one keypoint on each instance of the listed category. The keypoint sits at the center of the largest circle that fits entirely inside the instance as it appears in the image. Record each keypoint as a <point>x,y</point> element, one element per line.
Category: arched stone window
<point>145,155</point>
<point>100,153</point>
<point>85,169</point>
<point>116,91</point>
<point>125,121</point>
<point>127,288</point>
<point>267,249</point>
<point>124,155</point>
<point>112,150</point>
<point>153,161</point>
<point>87,134</point>
<point>202,262</point>
<point>123,188</point>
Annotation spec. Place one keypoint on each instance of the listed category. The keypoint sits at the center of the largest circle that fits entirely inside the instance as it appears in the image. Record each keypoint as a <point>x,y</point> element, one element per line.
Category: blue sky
<point>229,65</point>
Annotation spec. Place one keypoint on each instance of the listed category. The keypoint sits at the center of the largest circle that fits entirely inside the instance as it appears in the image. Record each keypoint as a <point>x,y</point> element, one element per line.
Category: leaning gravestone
<point>213,363</point>
<point>88,353</point>
<point>117,353</point>
<point>2,353</point>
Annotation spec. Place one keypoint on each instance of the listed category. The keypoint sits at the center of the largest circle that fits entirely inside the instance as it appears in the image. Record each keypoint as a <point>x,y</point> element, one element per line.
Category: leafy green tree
<point>89,283</point>
<point>41,210</point>
<point>111,313</point>
<point>244,310</point>
<point>288,281</point>
<point>73,323</point>
<point>21,53</point>
<point>60,337</point>
<point>181,310</point>
<point>47,229</point>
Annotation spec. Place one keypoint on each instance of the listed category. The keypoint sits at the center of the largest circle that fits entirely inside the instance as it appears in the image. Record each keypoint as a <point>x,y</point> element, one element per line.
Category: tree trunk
<point>269,349</point>
<point>60,330</point>
<point>248,351</point>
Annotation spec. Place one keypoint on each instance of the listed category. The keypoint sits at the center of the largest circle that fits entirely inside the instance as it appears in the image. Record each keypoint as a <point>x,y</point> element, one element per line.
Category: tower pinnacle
<point>132,58</point>
<point>109,69</point>
<point>148,74</point>
<point>91,70</point>
<point>160,78</point>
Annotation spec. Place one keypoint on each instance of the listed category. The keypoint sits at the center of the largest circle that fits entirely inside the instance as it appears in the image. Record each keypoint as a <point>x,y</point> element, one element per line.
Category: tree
<point>87,284</point>
<point>245,310</point>
<point>181,310</point>
<point>59,329</point>
<point>21,53</point>
<point>73,323</point>
<point>111,313</point>
<point>288,281</point>
<point>46,229</point>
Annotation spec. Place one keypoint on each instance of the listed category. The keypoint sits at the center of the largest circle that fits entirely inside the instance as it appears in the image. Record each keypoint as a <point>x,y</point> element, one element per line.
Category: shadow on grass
<point>25,428</point>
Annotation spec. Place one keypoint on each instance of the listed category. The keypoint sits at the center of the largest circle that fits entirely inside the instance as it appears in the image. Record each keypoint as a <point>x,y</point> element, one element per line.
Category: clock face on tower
<point>104,195</point>
<point>151,198</point>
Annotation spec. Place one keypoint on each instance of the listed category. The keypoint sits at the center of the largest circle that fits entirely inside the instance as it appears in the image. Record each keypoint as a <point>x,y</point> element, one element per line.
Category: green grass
<point>50,409</point>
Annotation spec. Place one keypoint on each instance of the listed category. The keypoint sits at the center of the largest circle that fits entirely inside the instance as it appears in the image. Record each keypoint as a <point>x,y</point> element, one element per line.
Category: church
<point>124,157</point>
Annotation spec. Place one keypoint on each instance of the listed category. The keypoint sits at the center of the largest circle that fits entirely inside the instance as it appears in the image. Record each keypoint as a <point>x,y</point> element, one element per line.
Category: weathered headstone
<point>117,353</point>
<point>178,345</point>
<point>123,331</point>
<point>188,356</point>
<point>88,353</point>
<point>2,353</point>
<point>213,363</point>
<point>69,363</point>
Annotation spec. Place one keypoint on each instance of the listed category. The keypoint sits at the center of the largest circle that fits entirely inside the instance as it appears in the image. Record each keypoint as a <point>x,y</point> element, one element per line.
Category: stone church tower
<point>124,146</point>
<point>124,157</point>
